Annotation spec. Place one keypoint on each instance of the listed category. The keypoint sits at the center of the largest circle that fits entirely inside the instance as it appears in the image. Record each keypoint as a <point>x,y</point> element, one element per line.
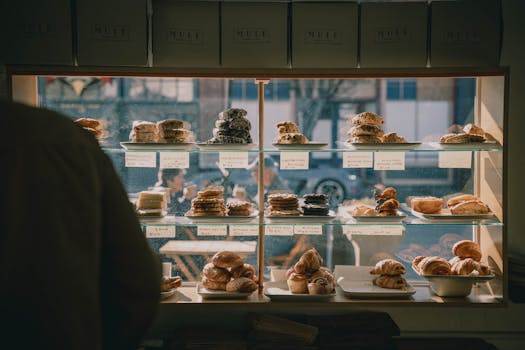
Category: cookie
<point>315,198</point>
<point>364,139</point>
<point>287,127</point>
<point>233,113</point>
<point>211,191</point>
<point>367,118</point>
<point>244,134</point>
<point>316,209</point>
<point>291,138</point>
<point>364,130</point>
<point>294,212</point>
<point>229,139</point>
<point>237,124</point>
<point>168,124</point>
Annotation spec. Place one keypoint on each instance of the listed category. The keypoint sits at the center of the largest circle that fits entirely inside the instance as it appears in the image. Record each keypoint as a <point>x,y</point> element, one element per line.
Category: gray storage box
<point>465,33</point>
<point>186,34</point>
<point>324,34</point>
<point>393,35</point>
<point>36,32</point>
<point>254,34</point>
<point>112,33</point>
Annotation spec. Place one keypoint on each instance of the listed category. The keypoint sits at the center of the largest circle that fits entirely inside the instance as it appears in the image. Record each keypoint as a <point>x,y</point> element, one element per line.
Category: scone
<point>287,127</point>
<point>292,138</point>
<point>393,137</point>
<point>367,118</point>
<point>365,130</point>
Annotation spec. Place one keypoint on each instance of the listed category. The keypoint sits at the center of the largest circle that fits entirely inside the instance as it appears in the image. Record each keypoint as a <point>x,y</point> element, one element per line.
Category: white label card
<point>141,159</point>
<point>160,231</point>
<point>212,230</point>
<point>180,160</point>
<point>278,230</point>
<point>244,230</point>
<point>389,161</point>
<point>308,230</point>
<point>358,159</point>
<point>294,160</point>
<point>365,230</point>
<point>233,159</point>
<point>455,159</point>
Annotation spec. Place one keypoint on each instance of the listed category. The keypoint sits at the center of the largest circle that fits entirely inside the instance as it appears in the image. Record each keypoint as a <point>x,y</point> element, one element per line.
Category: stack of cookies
<point>209,202</point>
<point>144,132</point>
<point>239,208</point>
<point>288,133</point>
<point>283,204</point>
<point>367,128</point>
<point>152,203</point>
<point>173,131</point>
<point>232,127</point>
<point>315,204</point>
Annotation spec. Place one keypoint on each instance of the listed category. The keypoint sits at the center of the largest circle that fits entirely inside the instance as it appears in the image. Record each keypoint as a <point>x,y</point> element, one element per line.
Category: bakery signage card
<point>308,229</point>
<point>372,230</point>
<point>244,230</point>
<point>233,159</point>
<point>294,160</point>
<point>358,159</point>
<point>389,161</point>
<point>278,230</point>
<point>160,231</point>
<point>455,159</point>
<point>180,160</point>
<point>212,230</point>
<point>140,159</point>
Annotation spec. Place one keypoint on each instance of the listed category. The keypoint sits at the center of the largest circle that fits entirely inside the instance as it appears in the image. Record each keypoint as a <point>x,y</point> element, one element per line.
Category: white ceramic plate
<point>209,294</point>
<point>366,289</point>
<point>278,291</point>
<point>225,219</point>
<point>302,146</point>
<point>303,218</point>
<point>157,146</point>
<point>383,146</point>
<point>446,215</point>
<point>167,294</point>
<point>398,218</point>
<point>466,146</point>
<point>225,146</point>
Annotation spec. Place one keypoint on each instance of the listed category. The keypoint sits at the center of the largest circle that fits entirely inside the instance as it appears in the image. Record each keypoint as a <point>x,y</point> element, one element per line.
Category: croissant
<point>434,265</point>
<point>416,261</point>
<point>467,249</point>
<point>454,260</point>
<point>392,282</point>
<point>464,267</point>
<point>483,269</point>
<point>389,204</point>
<point>388,192</point>
<point>242,285</point>
<point>226,259</point>
<point>245,270</point>
<point>388,267</point>
<point>311,261</point>
<point>216,274</point>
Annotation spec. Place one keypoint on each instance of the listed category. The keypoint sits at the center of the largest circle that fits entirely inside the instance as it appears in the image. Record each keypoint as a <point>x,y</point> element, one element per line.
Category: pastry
<point>245,270</point>
<point>226,259</point>
<point>364,139</point>
<point>232,126</point>
<point>241,285</point>
<point>169,283</point>
<point>367,118</point>
<point>390,204</point>
<point>315,198</point>
<point>427,205</point>
<point>455,138</point>
<point>297,283</point>
<point>174,136</point>
<point>310,261</point>
<point>89,123</point>
<point>416,261</point>
<point>462,198</point>
<point>483,269</point>
<point>291,138</point>
<point>211,191</point>
<point>287,127</point>
<point>365,130</point>
<point>319,285</point>
<point>213,285</point>
<point>169,124</point>
<point>392,137</point>
<point>434,265</point>
<point>363,210</point>
<point>388,267</point>
<point>470,207</point>
<point>391,282</point>
<point>239,208</point>
<point>315,209</point>
<point>389,192</point>
<point>473,129</point>
<point>467,249</point>
<point>464,267</point>
<point>292,212</point>
<point>216,274</point>
<point>454,260</point>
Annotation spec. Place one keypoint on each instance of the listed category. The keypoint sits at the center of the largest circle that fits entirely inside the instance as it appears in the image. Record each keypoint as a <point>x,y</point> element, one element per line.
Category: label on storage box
<point>278,230</point>
<point>455,159</point>
<point>140,159</point>
<point>372,230</point>
<point>244,230</point>
<point>233,159</point>
<point>171,160</point>
<point>308,229</point>
<point>294,160</point>
<point>389,161</point>
<point>160,231</point>
<point>212,230</point>
<point>358,159</point>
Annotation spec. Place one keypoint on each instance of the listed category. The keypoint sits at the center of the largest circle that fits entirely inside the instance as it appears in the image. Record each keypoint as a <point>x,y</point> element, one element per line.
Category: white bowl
<point>454,286</point>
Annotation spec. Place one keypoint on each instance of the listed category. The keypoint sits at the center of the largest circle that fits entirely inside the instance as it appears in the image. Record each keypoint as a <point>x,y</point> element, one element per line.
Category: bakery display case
<point>313,181</point>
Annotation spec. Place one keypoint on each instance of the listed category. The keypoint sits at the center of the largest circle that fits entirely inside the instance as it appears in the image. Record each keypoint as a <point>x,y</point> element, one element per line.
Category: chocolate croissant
<point>388,267</point>
<point>392,282</point>
<point>434,265</point>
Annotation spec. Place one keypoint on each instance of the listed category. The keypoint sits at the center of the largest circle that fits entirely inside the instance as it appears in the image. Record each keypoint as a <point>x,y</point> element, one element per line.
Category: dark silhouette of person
<point>76,271</point>
<point>180,195</point>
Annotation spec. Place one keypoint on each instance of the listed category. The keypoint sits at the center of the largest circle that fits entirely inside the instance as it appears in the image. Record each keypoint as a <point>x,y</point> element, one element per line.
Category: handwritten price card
<point>244,230</point>
<point>180,160</point>
<point>140,159</point>
<point>389,161</point>
<point>278,230</point>
<point>212,230</point>
<point>233,159</point>
<point>455,159</point>
<point>160,231</point>
<point>358,159</point>
<point>294,160</point>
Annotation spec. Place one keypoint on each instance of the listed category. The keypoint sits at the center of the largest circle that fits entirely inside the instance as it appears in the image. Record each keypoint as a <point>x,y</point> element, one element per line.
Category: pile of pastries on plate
<point>288,204</point>
<point>232,127</point>
<point>210,202</point>
<point>367,128</point>
<point>389,271</point>
<point>164,131</point>
<point>95,127</point>
<point>307,276</point>
<point>169,283</point>
<point>465,204</point>
<point>469,133</point>
<point>386,204</point>
<point>152,203</point>
<point>288,133</point>
<point>228,272</point>
<point>466,261</point>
